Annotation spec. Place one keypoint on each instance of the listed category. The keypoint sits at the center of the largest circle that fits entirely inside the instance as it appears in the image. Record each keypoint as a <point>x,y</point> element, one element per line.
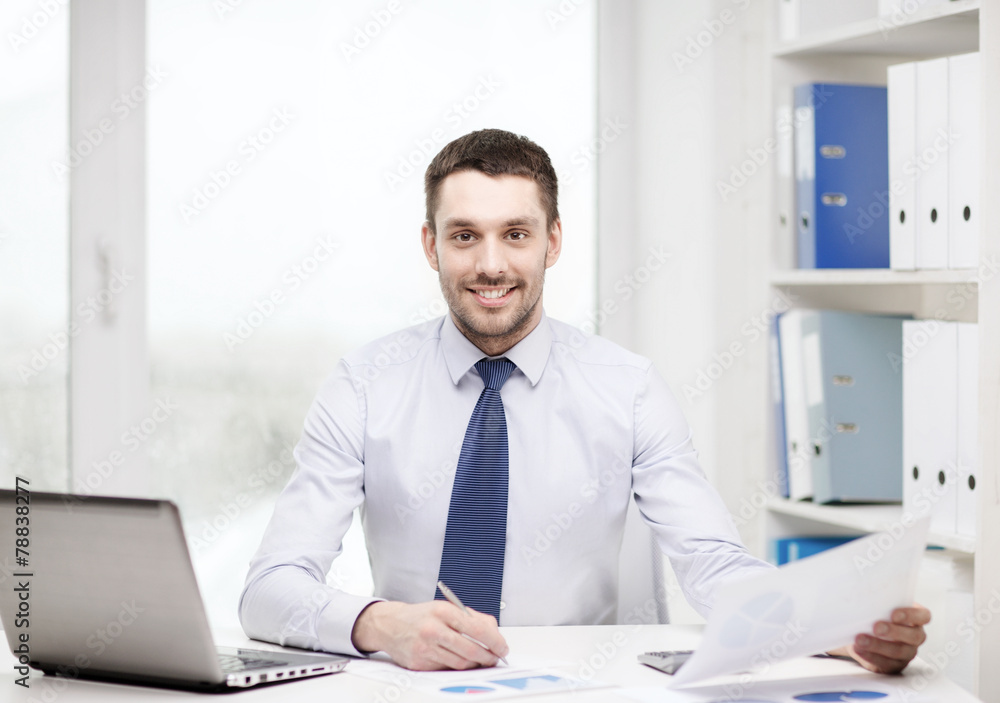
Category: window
<point>35,325</point>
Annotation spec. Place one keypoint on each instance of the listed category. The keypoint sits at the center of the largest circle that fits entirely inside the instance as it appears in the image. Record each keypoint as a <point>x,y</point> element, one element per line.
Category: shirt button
<point>502,605</point>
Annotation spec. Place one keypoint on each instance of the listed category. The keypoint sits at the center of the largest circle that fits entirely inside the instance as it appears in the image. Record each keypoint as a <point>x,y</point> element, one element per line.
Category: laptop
<point>103,588</point>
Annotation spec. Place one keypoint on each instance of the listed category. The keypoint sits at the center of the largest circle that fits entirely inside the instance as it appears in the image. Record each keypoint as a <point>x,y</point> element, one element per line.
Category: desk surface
<point>606,653</point>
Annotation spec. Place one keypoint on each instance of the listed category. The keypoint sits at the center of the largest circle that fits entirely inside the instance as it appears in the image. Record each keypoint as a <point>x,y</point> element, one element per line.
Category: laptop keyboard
<point>231,663</point>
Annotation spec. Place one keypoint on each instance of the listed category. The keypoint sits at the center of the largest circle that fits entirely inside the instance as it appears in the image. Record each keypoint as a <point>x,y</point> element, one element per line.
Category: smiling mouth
<point>492,297</point>
<point>499,293</point>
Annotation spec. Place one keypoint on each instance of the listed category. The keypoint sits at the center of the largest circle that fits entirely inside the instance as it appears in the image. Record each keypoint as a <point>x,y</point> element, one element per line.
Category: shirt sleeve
<point>286,598</point>
<point>691,523</point>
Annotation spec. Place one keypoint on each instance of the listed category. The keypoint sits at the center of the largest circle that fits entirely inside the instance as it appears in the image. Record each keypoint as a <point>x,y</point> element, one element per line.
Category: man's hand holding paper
<point>819,604</point>
<point>892,644</point>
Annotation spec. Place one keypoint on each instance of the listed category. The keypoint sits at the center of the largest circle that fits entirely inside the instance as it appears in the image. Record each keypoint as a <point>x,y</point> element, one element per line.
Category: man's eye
<point>517,236</point>
<point>464,237</point>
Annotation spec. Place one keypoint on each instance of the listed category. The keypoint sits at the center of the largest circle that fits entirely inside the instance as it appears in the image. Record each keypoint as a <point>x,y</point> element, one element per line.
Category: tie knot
<point>495,372</point>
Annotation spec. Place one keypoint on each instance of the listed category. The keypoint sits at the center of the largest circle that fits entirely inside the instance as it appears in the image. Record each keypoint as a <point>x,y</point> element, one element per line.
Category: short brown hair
<point>494,152</point>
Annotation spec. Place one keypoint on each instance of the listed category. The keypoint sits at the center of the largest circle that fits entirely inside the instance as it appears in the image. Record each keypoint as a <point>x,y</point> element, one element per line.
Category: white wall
<point>701,83</point>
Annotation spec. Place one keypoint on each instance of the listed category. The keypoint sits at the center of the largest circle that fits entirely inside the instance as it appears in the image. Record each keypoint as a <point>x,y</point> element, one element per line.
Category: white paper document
<point>831,688</point>
<point>809,606</point>
<point>522,678</point>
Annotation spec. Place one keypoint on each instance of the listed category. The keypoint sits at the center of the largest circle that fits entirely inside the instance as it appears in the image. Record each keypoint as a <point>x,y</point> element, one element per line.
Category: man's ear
<point>429,242</point>
<point>555,243</point>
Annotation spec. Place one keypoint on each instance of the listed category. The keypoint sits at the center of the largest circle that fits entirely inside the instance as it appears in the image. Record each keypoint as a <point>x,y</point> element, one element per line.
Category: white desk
<point>607,653</point>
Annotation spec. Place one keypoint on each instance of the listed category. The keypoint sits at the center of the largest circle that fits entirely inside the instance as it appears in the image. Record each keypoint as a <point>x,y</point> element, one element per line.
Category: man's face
<point>491,250</point>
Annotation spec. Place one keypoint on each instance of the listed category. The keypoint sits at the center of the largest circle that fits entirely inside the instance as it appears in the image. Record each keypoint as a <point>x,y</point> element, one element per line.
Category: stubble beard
<point>493,330</point>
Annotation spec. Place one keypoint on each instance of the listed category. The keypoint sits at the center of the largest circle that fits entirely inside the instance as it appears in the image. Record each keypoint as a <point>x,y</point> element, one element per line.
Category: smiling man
<point>462,438</point>
<point>496,240</point>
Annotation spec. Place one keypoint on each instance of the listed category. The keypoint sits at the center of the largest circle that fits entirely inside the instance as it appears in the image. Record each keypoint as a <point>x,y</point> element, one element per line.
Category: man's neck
<point>495,346</point>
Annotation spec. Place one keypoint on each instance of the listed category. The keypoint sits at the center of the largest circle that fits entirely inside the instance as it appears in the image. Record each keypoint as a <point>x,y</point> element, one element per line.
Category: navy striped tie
<point>472,560</point>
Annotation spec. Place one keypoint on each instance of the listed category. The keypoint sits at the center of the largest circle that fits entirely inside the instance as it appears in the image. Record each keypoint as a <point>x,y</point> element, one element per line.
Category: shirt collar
<point>529,355</point>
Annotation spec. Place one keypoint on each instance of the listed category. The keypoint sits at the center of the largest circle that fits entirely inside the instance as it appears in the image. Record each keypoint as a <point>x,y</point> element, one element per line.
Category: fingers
<point>872,648</point>
<point>914,616</point>
<point>904,634</point>
<point>439,647</point>
<point>877,662</point>
<point>892,645</point>
<point>430,636</point>
<point>434,645</point>
<point>479,626</point>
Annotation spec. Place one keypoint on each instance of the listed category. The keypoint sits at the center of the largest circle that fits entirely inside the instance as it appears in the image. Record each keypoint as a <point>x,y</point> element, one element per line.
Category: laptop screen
<point>104,585</point>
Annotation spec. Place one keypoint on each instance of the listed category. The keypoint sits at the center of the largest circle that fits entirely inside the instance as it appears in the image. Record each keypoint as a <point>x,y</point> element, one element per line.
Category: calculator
<point>667,662</point>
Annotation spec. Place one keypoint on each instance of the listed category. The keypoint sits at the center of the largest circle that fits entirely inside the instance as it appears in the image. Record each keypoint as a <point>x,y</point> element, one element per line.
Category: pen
<point>454,600</point>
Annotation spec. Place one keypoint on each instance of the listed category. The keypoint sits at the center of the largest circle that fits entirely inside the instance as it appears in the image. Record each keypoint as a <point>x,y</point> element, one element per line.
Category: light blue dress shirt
<point>588,423</point>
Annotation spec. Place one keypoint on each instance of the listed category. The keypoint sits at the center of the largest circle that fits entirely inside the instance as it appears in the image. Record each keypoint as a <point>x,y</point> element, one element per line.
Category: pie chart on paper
<point>759,620</point>
<point>533,683</point>
<point>841,696</point>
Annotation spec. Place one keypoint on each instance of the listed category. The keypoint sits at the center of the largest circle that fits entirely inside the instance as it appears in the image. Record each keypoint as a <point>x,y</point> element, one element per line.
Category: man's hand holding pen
<point>429,636</point>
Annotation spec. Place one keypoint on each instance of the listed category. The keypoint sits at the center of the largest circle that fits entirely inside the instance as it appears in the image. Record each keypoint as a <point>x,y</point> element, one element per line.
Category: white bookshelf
<point>860,52</point>
<point>860,519</point>
<point>947,29</point>
<point>808,278</point>
<point>946,294</point>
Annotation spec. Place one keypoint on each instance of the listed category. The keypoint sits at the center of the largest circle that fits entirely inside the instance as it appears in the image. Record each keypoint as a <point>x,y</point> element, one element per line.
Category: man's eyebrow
<point>458,222</point>
<point>517,221</point>
<point>513,222</point>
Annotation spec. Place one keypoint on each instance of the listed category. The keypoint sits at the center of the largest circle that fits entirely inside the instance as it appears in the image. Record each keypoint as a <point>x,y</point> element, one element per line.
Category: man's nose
<point>492,259</point>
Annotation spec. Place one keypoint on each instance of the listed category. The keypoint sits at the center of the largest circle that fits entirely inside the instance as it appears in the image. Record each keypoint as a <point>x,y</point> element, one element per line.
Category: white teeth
<point>494,293</point>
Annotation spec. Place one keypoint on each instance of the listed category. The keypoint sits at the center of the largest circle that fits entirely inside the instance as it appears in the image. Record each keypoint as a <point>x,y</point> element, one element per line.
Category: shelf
<point>943,295</point>
<point>864,518</point>
<point>939,30</point>
<point>871,277</point>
